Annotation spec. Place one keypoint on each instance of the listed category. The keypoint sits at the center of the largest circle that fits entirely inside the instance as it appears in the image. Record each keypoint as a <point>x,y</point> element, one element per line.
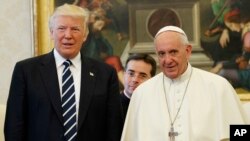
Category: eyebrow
<point>141,73</point>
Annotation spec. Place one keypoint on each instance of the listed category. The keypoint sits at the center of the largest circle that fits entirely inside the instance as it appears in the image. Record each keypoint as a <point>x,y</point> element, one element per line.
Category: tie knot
<point>67,63</point>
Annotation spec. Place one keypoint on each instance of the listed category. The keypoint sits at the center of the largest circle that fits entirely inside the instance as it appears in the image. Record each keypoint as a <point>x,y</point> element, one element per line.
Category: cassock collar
<point>127,95</point>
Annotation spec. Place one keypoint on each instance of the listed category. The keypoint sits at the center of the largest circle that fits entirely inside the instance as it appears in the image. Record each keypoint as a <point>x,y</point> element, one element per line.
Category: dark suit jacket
<point>34,110</point>
<point>125,103</point>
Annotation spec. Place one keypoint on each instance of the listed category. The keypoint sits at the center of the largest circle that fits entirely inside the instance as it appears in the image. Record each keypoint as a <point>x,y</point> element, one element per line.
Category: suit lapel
<point>50,79</point>
<point>88,80</point>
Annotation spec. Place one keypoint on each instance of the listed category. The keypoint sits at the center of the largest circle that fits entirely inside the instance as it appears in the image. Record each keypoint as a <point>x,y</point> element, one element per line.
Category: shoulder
<point>124,98</point>
<point>204,73</point>
<point>152,81</point>
<point>212,85</point>
<point>101,69</point>
<point>34,60</point>
<point>96,64</point>
<point>151,84</point>
<point>208,76</point>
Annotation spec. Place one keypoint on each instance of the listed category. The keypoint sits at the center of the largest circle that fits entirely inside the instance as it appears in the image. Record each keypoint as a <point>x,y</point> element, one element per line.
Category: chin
<point>67,56</point>
<point>171,75</point>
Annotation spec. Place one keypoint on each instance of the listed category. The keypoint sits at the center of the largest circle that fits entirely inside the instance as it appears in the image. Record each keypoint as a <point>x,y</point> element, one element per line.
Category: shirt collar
<point>76,61</point>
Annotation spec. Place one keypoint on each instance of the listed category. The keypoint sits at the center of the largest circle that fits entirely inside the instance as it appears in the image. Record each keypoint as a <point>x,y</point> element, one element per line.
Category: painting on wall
<point>215,28</point>
<point>225,38</point>
<point>128,26</point>
<point>148,17</point>
<point>108,27</point>
<point>132,22</point>
<point>224,29</point>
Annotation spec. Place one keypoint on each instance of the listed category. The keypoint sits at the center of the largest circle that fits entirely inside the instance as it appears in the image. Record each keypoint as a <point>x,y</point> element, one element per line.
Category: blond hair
<point>73,11</point>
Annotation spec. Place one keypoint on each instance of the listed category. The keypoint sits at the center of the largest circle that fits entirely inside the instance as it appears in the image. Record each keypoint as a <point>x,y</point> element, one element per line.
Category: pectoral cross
<point>172,133</point>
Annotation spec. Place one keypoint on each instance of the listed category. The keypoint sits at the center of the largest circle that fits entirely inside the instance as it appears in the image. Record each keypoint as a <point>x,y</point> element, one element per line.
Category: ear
<point>85,36</point>
<point>189,50</point>
<point>51,31</point>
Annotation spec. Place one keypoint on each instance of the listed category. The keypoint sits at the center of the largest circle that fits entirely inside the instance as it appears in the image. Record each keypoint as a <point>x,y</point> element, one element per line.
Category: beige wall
<point>15,40</point>
<point>16,43</point>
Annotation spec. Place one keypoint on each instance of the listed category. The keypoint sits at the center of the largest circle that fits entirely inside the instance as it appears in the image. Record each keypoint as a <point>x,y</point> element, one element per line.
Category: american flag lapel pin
<point>91,73</point>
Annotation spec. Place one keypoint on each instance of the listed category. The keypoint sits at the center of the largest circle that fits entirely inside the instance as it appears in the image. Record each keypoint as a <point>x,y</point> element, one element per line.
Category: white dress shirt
<point>75,69</point>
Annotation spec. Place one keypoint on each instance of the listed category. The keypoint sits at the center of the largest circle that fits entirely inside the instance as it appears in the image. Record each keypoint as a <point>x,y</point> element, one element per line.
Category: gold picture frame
<point>243,94</point>
<point>42,10</point>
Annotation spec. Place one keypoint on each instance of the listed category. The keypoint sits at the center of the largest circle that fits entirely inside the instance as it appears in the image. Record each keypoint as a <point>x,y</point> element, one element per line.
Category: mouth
<point>133,87</point>
<point>68,44</point>
<point>170,67</point>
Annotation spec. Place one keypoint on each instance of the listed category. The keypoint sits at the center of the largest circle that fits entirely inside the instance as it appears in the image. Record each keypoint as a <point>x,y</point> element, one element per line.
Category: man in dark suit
<point>138,69</point>
<point>34,107</point>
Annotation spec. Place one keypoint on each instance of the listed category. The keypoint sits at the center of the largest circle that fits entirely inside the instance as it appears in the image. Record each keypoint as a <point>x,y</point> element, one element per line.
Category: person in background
<point>63,96</point>
<point>181,102</point>
<point>240,76</point>
<point>138,69</point>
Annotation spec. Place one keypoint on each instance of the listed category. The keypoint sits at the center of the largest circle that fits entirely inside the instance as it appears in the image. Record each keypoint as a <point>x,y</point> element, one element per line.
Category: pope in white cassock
<point>182,103</point>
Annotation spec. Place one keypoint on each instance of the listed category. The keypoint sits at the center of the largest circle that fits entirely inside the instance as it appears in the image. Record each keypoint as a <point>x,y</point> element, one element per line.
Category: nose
<point>168,59</point>
<point>68,34</point>
<point>137,79</point>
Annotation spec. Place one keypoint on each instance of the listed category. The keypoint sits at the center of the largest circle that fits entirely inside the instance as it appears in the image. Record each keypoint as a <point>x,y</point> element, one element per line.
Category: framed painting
<point>225,39</point>
<point>112,35</point>
<point>215,28</point>
<point>147,18</point>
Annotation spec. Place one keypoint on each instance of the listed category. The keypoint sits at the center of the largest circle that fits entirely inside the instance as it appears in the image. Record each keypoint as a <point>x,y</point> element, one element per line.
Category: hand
<point>243,64</point>
<point>217,68</point>
<point>212,32</point>
<point>239,59</point>
<point>224,38</point>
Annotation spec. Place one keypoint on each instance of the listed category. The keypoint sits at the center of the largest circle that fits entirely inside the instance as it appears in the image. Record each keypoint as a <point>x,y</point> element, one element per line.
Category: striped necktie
<point>68,103</point>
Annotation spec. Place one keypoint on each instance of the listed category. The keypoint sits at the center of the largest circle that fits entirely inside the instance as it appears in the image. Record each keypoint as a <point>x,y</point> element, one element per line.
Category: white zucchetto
<point>170,28</point>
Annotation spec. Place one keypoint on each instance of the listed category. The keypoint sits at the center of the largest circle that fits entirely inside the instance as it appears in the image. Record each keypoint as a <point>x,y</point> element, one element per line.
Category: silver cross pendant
<point>172,134</point>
